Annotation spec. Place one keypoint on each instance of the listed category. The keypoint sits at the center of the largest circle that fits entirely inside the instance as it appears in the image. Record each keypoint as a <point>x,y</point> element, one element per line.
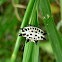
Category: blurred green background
<point>11,15</point>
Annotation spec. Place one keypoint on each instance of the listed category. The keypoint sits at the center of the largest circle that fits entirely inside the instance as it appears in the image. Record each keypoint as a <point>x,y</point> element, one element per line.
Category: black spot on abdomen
<point>25,29</point>
<point>35,31</point>
<point>31,31</point>
<point>27,35</point>
<point>35,35</point>
<point>38,37</point>
<point>41,37</point>
<point>24,34</point>
<point>28,28</point>
<point>35,28</point>
<point>41,32</point>
<point>30,34</point>
<point>30,37</point>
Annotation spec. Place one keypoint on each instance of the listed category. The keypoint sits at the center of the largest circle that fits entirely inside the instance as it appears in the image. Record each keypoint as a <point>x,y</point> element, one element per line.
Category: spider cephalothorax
<point>32,33</point>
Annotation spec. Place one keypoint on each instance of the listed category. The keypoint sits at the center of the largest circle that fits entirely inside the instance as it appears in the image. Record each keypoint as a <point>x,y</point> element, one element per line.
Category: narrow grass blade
<point>61,8</point>
<point>31,50</point>
<point>24,23</point>
<point>53,35</point>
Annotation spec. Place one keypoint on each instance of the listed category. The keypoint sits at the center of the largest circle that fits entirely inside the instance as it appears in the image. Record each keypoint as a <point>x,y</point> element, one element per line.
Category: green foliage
<point>9,26</point>
<point>61,8</point>
<point>24,23</point>
<point>31,50</point>
<point>53,35</point>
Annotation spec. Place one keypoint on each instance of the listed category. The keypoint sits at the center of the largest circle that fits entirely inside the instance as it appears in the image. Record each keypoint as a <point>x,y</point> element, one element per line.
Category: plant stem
<point>24,23</point>
<point>60,22</point>
<point>61,8</point>
<point>31,50</point>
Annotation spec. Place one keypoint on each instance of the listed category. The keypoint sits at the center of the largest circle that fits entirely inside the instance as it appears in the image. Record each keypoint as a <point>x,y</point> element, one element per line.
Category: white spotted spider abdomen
<point>32,33</point>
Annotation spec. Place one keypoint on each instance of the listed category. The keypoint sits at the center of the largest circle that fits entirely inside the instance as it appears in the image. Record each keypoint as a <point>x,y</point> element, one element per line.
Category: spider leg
<point>31,25</point>
<point>44,33</point>
<point>27,40</point>
<point>44,38</point>
<point>36,42</point>
<point>20,35</point>
<point>21,28</point>
<point>23,47</point>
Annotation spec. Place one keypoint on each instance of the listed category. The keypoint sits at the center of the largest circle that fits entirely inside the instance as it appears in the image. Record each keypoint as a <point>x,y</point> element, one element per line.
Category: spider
<point>32,33</point>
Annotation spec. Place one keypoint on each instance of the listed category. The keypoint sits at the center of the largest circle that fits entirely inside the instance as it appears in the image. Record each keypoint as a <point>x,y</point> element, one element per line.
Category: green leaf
<point>53,35</point>
<point>31,50</point>
<point>24,23</point>
<point>61,8</point>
